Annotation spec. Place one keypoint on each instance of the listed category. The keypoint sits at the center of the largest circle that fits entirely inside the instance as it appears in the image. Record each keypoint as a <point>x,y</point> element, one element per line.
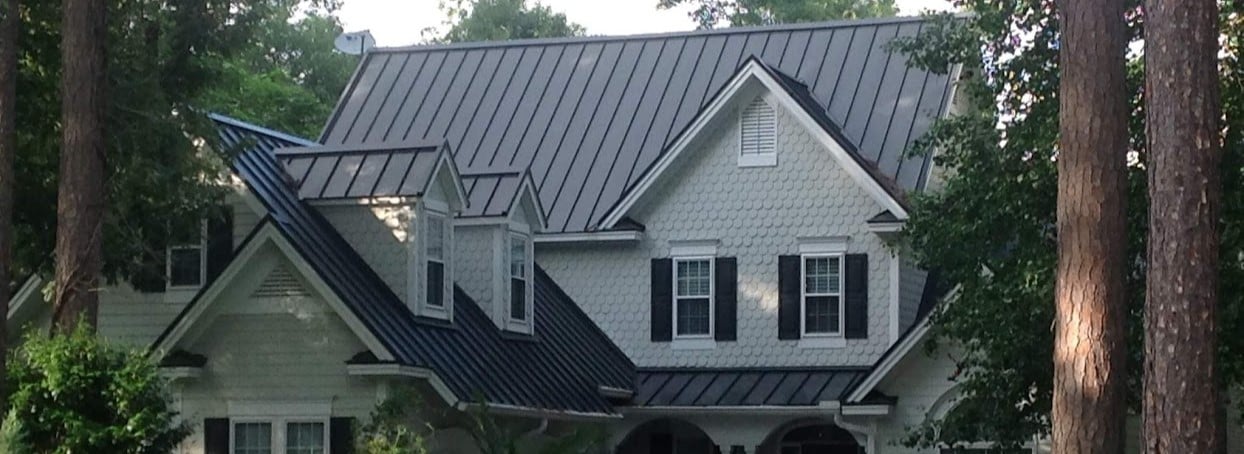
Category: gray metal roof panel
<point>588,116</point>
<point>368,171</point>
<point>559,369</point>
<point>701,387</point>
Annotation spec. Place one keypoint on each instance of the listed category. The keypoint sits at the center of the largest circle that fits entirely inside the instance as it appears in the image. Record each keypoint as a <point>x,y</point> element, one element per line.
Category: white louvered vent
<point>280,282</point>
<point>758,135</point>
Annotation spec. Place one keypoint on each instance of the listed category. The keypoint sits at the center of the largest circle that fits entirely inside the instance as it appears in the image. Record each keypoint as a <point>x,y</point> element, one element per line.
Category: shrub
<point>391,429</point>
<point>73,393</point>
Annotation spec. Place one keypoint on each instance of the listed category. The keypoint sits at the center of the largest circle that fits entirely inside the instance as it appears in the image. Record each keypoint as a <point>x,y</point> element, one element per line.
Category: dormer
<point>395,204</point>
<point>496,260</point>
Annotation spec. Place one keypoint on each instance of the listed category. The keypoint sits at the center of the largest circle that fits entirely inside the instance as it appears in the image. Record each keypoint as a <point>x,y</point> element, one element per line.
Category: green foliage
<point>391,429</point>
<point>168,61</point>
<point>998,198</point>
<point>499,20</point>
<point>72,394</point>
<point>714,13</point>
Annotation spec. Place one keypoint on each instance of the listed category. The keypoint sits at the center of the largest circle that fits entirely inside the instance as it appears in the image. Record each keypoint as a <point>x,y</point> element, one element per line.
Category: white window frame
<point>522,233</point>
<point>168,261</point>
<point>712,294</point>
<point>434,210</point>
<point>280,430</point>
<point>759,159</point>
<point>803,293</point>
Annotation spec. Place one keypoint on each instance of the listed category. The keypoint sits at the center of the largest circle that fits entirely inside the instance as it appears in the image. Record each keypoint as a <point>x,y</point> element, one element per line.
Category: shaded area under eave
<point>561,368</point>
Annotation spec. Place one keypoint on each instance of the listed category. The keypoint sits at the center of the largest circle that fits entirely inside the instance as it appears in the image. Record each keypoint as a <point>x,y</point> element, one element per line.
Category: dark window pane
<point>436,284</point>
<point>821,314</point>
<point>518,299</point>
<point>693,316</point>
<point>185,267</point>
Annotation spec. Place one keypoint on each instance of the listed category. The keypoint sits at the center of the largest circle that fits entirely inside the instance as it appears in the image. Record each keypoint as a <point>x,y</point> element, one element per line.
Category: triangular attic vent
<point>280,282</point>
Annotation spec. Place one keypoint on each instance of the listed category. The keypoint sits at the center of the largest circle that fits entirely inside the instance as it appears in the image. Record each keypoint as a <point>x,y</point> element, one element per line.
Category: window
<point>693,297</point>
<point>304,438</point>
<point>187,261</point>
<point>290,437</point>
<point>758,135</point>
<point>822,295</point>
<point>252,438</point>
<point>519,262</point>
<point>435,251</point>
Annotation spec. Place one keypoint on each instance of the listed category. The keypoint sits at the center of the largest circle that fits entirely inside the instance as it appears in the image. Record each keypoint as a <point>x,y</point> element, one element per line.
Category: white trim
<point>689,248</point>
<point>947,111</point>
<point>526,325</point>
<point>181,373</point>
<point>24,293</point>
<point>824,408</point>
<point>752,71</point>
<point>804,335</point>
<point>278,421</point>
<point>481,221</point>
<point>364,201</point>
<point>446,162</point>
<point>398,370</point>
<point>823,245</point>
<point>590,237</point>
<point>285,408</point>
<point>168,262</point>
<point>619,393</point>
<point>712,303</point>
<point>268,234</point>
<point>436,206</point>
<point>866,410</point>
<point>887,363</point>
<point>895,301</point>
<point>528,189</point>
<point>417,284</point>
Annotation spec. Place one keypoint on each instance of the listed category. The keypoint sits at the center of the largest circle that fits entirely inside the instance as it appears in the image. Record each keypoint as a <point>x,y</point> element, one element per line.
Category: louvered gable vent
<point>758,135</point>
<point>280,282</point>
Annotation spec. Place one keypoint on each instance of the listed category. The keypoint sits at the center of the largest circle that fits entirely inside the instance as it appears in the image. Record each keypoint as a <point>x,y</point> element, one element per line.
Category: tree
<point>714,13</point>
<point>10,23</point>
<point>499,20</point>
<point>80,202</point>
<point>1089,299</point>
<point>1181,386</point>
<point>997,195</point>
<point>74,394</point>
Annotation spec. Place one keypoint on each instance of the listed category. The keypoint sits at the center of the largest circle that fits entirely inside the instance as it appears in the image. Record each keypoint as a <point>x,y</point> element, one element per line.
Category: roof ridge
<point>260,129</point>
<point>842,23</point>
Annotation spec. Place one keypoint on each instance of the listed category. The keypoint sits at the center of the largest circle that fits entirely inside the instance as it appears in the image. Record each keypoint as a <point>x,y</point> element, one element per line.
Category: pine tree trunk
<point>80,201</point>
<point>1181,119</point>
<point>10,21</point>
<point>1089,350</point>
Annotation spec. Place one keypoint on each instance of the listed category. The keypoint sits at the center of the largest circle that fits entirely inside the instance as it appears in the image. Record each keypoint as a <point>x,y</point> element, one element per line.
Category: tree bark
<point>1181,391</point>
<point>1089,329</point>
<point>10,21</point>
<point>80,200</point>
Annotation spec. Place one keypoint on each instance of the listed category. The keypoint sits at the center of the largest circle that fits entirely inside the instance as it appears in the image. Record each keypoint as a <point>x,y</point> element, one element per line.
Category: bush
<point>391,429</point>
<point>75,394</point>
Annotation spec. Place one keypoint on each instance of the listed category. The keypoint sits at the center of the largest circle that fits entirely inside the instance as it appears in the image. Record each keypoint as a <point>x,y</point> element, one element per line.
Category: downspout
<point>870,438</point>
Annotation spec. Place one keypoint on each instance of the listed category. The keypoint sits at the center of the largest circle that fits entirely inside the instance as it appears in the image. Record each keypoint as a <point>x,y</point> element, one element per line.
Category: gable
<point>589,116</point>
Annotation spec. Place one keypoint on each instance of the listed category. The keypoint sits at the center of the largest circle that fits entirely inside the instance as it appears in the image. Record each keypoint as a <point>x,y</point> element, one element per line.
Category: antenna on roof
<point>355,43</point>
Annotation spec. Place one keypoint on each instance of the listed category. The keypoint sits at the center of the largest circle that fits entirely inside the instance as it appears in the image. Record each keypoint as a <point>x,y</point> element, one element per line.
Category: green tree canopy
<point>499,20</point>
<point>734,13</point>
<point>998,200</point>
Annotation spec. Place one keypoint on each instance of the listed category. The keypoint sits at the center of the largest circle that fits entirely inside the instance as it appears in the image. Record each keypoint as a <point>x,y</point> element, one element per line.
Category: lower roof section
<point>751,387</point>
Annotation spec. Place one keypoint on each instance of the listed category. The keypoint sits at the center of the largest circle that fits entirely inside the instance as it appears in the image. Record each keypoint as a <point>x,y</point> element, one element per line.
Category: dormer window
<point>521,266</point>
<point>436,255</point>
<point>758,135</point>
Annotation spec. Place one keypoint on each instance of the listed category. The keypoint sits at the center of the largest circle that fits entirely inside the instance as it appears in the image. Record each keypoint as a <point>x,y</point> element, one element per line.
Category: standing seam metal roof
<point>560,369</point>
<point>589,116</point>
<point>697,387</point>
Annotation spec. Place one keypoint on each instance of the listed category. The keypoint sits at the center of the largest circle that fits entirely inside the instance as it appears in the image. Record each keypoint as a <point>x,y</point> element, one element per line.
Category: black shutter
<point>856,309</point>
<point>341,436</point>
<point>726,285</point>
<point>216,436</point>
<point>219,243</point>
<point>788,296</point>
<point>662,300</point>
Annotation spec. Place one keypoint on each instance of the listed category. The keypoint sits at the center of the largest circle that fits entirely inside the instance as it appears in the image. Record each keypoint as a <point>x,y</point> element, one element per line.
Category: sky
<point>399,22</point>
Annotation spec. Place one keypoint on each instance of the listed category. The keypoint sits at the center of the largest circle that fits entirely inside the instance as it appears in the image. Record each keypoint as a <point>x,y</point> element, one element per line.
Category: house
<point>683,238</point>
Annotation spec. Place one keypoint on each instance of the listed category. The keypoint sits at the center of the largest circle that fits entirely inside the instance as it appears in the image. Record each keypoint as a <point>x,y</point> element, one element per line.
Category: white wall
<point>379,234</point>
<point>757,214</point>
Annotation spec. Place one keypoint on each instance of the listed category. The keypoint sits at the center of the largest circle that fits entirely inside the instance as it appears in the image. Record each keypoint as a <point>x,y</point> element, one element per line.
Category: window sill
<point>518,327</point>
<point>822,342</point>
<point>693,344</point>
<point>760,160</point>
<point>436,312</point>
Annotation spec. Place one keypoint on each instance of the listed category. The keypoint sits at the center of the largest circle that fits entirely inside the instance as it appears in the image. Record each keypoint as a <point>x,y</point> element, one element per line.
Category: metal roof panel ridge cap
<point>664,35</point>
<point>403,145</point>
